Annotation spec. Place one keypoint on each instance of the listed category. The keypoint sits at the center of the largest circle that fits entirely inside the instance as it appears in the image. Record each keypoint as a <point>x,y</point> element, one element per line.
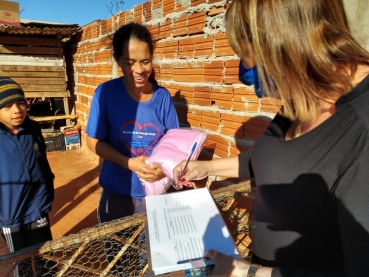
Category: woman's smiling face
<point>136,63</point>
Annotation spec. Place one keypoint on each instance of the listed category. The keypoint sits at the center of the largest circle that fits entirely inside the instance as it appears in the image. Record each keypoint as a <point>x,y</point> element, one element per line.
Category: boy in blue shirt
<point>26,179</point>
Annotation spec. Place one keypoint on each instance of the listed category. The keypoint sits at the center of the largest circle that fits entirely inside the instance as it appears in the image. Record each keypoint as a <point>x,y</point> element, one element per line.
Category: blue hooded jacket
<point>26,179</point>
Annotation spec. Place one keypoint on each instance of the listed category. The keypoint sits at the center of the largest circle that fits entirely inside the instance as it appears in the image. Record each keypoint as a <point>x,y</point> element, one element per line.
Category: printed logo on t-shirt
<point>139,138</point>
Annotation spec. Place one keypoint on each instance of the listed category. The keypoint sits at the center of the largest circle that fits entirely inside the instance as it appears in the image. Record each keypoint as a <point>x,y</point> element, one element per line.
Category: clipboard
<point>180,228</point>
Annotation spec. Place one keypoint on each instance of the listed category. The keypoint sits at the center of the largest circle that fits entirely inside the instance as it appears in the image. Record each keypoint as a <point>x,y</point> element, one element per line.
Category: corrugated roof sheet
<point>40,28</point>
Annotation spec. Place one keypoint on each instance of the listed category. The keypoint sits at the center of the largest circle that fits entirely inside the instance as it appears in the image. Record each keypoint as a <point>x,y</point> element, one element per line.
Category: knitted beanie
<point>9,91</point>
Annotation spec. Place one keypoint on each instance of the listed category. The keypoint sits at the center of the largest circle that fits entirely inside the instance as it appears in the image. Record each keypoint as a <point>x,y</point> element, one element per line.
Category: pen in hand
<point>186,164</point>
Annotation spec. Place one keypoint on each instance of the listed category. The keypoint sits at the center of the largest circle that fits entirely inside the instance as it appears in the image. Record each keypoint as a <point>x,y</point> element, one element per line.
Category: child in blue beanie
<point>26,179</point>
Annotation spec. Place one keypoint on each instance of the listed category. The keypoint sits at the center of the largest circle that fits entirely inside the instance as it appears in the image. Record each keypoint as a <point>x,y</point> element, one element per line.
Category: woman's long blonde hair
<point>303,49</point>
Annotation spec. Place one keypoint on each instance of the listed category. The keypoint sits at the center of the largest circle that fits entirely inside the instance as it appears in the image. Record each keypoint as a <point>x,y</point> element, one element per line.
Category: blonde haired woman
<point>311,164</point>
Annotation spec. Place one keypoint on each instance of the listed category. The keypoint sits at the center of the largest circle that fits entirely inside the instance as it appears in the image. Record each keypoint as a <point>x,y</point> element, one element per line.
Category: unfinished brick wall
<point>193,60</point>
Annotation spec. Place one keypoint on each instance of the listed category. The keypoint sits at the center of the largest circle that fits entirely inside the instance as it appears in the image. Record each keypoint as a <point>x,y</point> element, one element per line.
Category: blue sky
<point>79,12</point>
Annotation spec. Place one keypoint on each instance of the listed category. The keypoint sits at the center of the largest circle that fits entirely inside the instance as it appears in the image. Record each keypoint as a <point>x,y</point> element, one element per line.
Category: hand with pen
<point>189,170</point>
<point>197,170</point>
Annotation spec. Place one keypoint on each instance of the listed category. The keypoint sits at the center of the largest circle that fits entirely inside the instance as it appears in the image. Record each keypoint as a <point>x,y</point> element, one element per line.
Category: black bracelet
<point>252,270</point>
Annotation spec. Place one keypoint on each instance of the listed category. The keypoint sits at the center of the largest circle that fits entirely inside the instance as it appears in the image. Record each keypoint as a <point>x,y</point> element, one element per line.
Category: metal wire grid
<point>118,248</point>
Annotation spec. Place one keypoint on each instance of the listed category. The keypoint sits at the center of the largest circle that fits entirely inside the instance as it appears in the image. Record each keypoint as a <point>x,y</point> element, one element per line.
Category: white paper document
<point>181,227</point>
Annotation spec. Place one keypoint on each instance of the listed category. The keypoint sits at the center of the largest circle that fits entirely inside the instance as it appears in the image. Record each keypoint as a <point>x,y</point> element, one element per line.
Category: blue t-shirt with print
<point>133,128</point>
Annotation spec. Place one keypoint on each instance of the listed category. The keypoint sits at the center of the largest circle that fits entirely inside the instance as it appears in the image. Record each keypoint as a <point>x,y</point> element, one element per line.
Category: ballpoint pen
<point>185,167</point>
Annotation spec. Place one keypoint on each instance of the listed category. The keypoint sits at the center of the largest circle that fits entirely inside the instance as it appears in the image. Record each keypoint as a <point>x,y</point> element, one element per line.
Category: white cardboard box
<point>9,13</point>
<point>72,137</point>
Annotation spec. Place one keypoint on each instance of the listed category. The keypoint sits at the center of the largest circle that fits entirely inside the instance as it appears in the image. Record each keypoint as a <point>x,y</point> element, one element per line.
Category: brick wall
<point>193,60</point>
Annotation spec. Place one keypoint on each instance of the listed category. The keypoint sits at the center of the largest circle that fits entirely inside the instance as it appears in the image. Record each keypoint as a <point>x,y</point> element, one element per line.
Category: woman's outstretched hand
<point>196,170</point>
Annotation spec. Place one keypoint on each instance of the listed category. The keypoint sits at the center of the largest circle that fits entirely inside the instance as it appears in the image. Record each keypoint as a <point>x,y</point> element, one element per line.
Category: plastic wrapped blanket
<point>173,148</point>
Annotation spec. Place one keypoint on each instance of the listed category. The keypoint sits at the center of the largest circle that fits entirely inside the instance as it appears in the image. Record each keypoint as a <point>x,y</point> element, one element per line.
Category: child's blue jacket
<point>26,179</point>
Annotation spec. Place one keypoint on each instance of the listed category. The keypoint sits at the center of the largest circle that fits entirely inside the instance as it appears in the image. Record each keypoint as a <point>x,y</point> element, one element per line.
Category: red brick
<point>138,13</point>
<point>221,153</point>
<point>222,47</point>
<point>154,31</point>
<point>146,11</point>
<point>246,98</point>
<point>202,92</point>
<point>171,49</point>
<point>232,124</point>
<point>168,7</point>
<point>231,72</point>
<point>180,72</point>
<point>201,98</point>
<point>194,123</point>
<point>165,29</point>
<point>210,126</point>
<point>215,11</point>
<point>203,46</point>
<point>180,26</point>
<point>159,50</point>
<point>106,43</point>
<point>204,102</point>
<point>213,143</point>
<point>215,114</point>
<point>196,23</point>
<point>269,108</point>
<point>156,4</point>
<point>213,71</point>
<point>210,119</point>
<point>216,141</point>
<point>122,18</point>
<point>185,48</point>
<point>191,116</point>
<point>222,93</point>
<point>244,106</point>
<point>244,90</point>
<point>110,24</point>
<point>232,117</point>
<point>186,95</point>
<point>195,3</point>
<point>223,104</point>
<point>173,90</point>
<point>212,1</point>
<point>83,99</point>
<point>103,27</point>
<point>232,132</point>
<point>195,71</point>
<point>166,71</point>
<point>156,70</point>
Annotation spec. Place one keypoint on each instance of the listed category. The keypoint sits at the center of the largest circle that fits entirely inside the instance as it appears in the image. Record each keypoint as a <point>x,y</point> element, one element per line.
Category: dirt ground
<point>76,192</point>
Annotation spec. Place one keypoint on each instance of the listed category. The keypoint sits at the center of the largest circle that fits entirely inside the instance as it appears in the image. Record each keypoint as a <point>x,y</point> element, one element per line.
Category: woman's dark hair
<point>135,31</point>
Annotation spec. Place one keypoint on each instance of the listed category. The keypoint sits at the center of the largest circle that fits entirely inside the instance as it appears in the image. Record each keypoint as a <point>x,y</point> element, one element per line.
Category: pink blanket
<point>173,148</point>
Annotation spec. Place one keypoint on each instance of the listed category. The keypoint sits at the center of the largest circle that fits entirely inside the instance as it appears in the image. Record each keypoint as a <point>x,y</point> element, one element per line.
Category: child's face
<point>13,114</point>
<point>136,63</point>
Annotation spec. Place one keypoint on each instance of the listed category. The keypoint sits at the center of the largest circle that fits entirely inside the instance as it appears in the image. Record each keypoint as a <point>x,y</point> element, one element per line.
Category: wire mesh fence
<point>118,248</point>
